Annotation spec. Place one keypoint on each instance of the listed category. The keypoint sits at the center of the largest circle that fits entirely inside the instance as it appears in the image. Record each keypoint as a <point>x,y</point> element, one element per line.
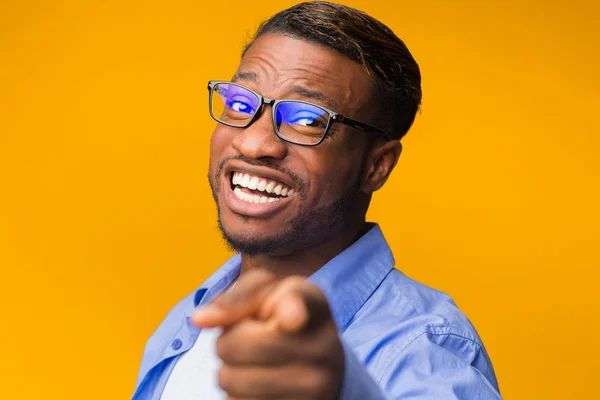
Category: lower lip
<point>242,207</point>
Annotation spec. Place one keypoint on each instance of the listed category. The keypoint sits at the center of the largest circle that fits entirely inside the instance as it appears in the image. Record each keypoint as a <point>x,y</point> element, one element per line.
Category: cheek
<point>330,174</point>
<point>219,142</point>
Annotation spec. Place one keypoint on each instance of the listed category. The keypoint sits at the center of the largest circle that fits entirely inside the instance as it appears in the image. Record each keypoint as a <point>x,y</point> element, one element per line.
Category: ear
<point>382,161</point>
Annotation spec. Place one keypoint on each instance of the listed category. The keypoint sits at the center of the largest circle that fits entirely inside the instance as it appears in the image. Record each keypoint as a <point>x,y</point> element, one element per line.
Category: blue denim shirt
<point>402,340</point>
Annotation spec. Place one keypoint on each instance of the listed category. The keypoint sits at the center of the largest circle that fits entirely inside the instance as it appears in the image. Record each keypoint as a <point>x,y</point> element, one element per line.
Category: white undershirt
<point>195,375</point>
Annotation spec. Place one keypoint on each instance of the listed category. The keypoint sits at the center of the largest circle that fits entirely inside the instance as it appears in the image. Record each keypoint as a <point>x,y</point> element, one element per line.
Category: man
<point>309,128</point>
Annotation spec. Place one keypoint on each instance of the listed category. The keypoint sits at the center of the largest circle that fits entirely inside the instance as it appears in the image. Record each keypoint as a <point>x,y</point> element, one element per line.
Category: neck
<point>307,260</point>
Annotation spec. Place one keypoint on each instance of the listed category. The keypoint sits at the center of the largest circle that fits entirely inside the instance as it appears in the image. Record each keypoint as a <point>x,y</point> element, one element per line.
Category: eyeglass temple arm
<point>360,125</point>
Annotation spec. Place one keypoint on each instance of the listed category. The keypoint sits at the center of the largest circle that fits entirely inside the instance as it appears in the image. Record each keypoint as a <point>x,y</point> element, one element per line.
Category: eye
<point>241,104</point>
<point>308,119</point>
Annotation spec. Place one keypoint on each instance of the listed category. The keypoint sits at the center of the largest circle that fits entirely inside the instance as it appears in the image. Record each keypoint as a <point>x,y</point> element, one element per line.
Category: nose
<point>259,139</point>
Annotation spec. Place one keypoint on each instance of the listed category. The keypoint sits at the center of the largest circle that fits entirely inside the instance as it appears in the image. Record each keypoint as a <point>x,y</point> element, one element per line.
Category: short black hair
<point>367,41</point>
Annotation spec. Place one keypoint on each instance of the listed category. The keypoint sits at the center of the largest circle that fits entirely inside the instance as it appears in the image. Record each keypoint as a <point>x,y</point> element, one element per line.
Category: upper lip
<point>263,172</point>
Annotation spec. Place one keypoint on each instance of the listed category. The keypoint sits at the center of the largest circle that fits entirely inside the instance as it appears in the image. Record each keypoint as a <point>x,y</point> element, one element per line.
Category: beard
<point>308,226</point>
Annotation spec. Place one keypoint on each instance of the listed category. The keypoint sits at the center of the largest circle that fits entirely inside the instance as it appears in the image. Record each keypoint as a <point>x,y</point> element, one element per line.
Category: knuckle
<point>226,379</point>
<point>323,346</point>
<point>296,281</point>
<point>318,381</point>
<point>316,352</point>
<point>224,349</point>
<point>331,341</point>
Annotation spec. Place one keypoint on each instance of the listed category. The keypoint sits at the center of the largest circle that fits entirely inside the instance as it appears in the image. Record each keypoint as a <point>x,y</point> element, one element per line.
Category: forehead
<point>278,65</point>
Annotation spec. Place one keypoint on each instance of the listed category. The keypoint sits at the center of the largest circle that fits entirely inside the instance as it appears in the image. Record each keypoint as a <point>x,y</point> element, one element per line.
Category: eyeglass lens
<point>294,120</point>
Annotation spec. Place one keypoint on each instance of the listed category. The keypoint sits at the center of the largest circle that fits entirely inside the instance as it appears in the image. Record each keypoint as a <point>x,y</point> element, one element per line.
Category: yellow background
<point>106,218</point>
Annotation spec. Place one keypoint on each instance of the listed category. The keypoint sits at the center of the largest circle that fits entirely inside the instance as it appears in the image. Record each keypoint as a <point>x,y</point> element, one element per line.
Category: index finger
<point>241,301</point>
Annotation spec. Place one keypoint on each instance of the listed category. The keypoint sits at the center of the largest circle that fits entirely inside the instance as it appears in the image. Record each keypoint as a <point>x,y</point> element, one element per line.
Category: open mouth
<point>256,189</point>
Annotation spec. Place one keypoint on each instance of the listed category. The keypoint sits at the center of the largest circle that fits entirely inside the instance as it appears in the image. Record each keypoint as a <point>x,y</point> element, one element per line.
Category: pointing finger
<point>241,301</point>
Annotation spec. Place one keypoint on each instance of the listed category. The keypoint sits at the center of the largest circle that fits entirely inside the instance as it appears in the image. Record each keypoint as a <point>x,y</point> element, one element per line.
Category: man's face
<point>324,180</point>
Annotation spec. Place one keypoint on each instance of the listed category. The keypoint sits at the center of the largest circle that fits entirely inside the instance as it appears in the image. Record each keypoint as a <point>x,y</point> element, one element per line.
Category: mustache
<point>299,184</point>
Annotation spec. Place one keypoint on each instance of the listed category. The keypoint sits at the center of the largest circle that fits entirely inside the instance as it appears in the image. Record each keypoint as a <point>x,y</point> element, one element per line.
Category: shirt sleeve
<point>358,383</point>
<point>429,368</point>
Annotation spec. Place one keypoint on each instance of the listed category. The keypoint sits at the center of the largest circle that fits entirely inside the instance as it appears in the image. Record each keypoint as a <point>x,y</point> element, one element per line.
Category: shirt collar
<point>347,280</point>
<point>351,277</point>
<point>216,283</point>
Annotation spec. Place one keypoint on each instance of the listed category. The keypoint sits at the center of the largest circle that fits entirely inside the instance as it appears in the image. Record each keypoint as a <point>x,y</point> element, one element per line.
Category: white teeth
<point>245,196</point>
<point>245,180</point>
<point>240,179</point>
<point>270,187</point>
<point>238,192</point>
<point>253,183</point>
<point>253,199</point>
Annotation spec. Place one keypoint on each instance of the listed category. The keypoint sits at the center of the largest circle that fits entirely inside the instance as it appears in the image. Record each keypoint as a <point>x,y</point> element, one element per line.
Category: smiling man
<point>312,307</point>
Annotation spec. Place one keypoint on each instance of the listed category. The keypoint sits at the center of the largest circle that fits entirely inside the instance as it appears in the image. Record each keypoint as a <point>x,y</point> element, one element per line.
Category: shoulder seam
<point>427,330</point>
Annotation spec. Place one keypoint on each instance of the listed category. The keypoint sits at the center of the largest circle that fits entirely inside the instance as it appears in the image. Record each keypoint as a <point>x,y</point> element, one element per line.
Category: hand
<point>279,340</point>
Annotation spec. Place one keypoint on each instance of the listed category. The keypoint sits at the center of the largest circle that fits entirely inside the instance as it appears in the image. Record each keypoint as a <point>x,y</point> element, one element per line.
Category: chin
<point>250,243</point>
<point>252,236</point>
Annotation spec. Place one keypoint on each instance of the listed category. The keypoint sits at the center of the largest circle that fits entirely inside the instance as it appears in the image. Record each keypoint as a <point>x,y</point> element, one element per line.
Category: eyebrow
<point>299,90</point>
<point>314,95</point>
<point>244,76</point>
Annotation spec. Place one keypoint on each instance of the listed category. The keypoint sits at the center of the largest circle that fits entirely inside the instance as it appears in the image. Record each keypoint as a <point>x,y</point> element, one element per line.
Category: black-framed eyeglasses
<point>294,121</point>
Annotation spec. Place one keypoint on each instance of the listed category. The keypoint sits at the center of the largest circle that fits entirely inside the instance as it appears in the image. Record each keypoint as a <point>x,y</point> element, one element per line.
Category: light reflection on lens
<point>301,122</point>
<point>233,104</point>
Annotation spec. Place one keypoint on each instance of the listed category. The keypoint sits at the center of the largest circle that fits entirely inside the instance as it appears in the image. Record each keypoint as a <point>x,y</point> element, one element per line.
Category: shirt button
<point>176,344</point>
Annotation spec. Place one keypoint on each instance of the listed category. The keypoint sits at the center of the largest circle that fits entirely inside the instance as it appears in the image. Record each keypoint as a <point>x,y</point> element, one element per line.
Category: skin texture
<point>280,340</point>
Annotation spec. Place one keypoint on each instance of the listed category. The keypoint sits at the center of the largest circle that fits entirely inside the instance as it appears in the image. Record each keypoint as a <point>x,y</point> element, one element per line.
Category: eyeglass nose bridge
<point>264,101</point>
